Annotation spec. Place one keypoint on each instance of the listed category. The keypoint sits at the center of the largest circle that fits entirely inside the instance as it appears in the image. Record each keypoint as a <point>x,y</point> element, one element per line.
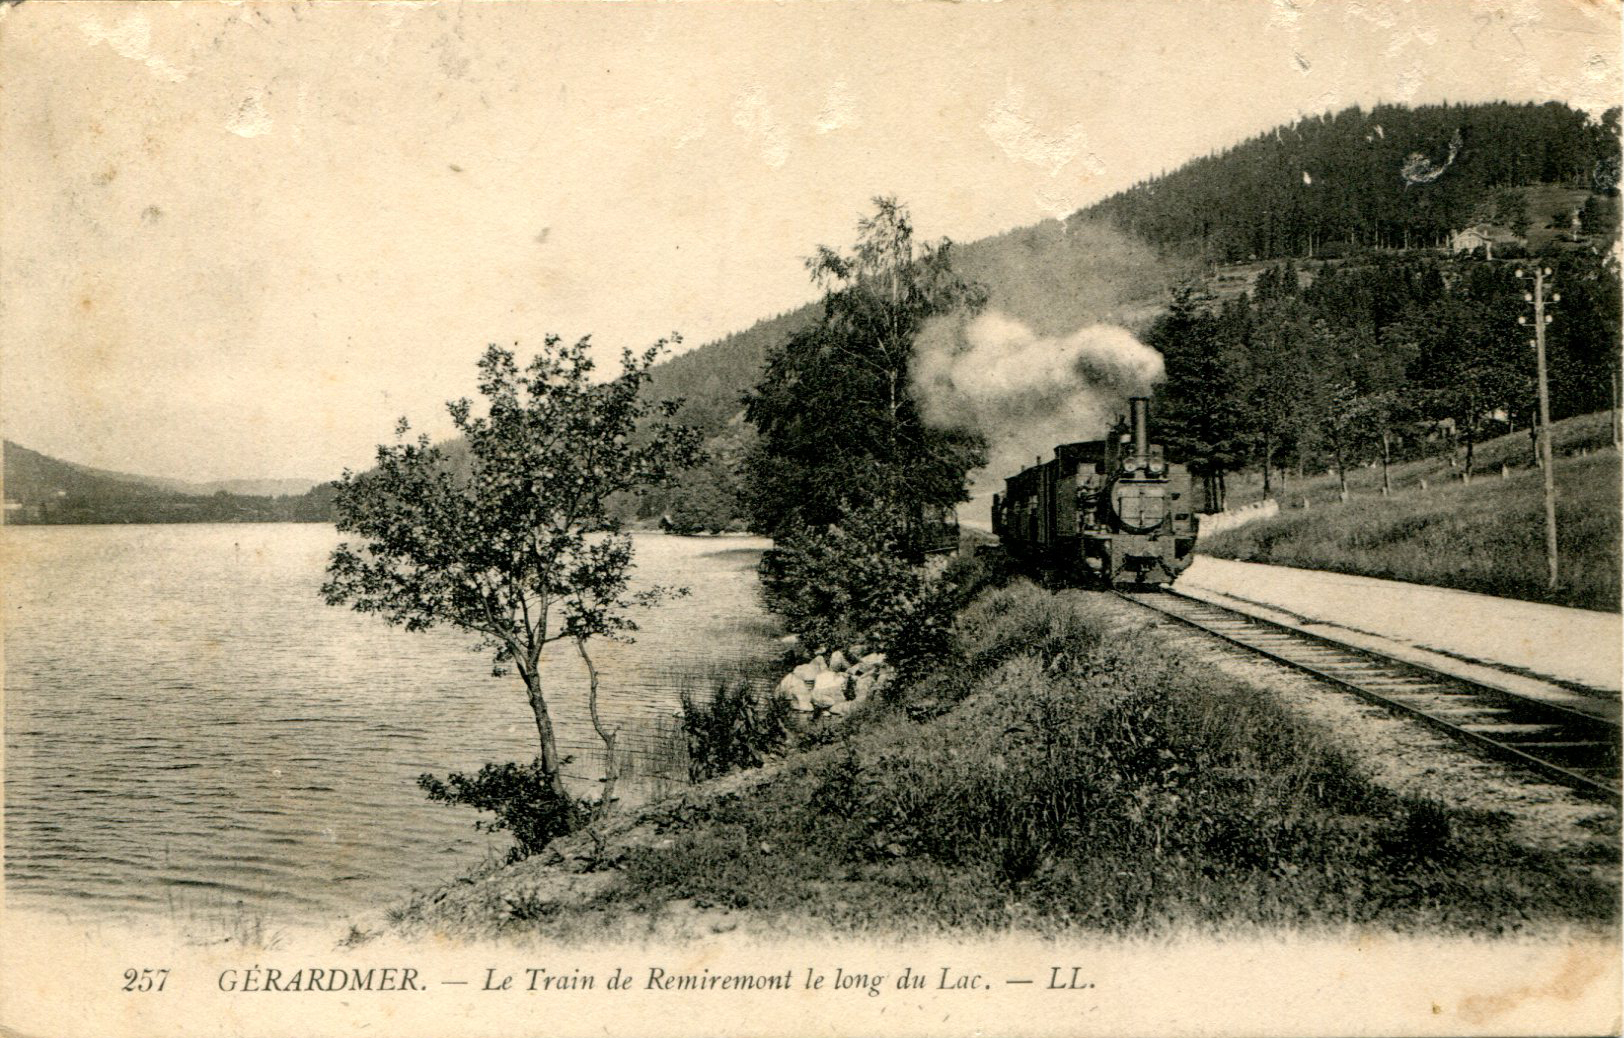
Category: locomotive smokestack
<point>1140,416</point>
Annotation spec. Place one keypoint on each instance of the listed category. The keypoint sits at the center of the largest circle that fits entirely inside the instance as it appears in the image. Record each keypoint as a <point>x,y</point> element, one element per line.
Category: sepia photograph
<point>717,517</point>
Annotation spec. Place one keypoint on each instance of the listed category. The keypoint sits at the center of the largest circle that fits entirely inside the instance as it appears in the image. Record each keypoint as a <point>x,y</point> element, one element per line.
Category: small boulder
<point>864,686</point>
<point>838,661</point>
<point>874,659</point>
<point>805,672</point>
<point>842,708</point>
<point>795,692</point>
<point>828,689</point>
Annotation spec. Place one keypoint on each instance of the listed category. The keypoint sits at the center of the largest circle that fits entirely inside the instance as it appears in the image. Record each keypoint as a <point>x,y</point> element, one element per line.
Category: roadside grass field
<point>1580,435</point>
<point>1055,773</point>
<point>1574,436</point>
<point>1486,536</point>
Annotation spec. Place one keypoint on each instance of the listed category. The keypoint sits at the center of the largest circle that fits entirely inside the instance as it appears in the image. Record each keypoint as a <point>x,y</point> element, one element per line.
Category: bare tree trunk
<point>611,764</point>
<point>1618,431</point>
<point>1268,463</point>
<point>1387,456</point>
<point>550,762</point>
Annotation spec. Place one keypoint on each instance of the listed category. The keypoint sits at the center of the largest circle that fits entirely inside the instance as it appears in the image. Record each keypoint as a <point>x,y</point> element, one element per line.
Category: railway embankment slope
<point>1065,767</point>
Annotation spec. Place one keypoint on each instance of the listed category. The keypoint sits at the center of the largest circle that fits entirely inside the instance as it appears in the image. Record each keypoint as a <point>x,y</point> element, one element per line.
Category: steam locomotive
<point>1112,510</point>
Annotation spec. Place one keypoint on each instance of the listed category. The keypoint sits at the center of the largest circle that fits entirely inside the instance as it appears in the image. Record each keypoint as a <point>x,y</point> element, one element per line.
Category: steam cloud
<point>1025,392</point>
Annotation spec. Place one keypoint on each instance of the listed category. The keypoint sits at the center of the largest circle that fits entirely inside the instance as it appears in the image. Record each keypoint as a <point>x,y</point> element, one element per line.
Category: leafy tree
<point>1510,209</point>
<point>1277,383</point>
<point>1593,218</point>
<point>704,501</point>
<point>1585,338</point>
<point>839,426</point>
<point>1386,407</point>
<point>1338,420</point>
<point>1467,366</point>
<point>519,549</point>
<point>1201,412</point>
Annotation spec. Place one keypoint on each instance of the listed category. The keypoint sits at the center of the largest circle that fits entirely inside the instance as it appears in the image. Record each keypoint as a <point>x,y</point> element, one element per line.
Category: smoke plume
<point>1025,392</point>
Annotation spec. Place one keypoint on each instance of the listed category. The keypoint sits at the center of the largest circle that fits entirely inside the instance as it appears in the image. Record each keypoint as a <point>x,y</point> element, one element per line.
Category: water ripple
<point>211,730</point>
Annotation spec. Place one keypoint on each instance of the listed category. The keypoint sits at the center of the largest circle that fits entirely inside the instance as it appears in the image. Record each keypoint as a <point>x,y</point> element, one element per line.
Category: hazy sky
<point>239,240</point>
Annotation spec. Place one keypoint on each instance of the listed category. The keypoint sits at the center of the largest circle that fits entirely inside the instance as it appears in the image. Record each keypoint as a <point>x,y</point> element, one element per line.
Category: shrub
<point>735,728</point>
<point>521,796</point>
<point>845,583</point>
<point>853,583</point>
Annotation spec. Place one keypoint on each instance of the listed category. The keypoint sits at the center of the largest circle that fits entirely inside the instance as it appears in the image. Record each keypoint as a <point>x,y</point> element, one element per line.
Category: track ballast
<point>1573,748</point>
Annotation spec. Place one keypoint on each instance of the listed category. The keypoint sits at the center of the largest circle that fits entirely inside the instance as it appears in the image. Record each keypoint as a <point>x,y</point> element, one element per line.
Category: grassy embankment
<point>1486,536</point>
<point>1056,773</point>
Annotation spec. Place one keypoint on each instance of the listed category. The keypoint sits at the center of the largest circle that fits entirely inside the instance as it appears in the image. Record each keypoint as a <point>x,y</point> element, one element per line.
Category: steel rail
<point>1570,730</point>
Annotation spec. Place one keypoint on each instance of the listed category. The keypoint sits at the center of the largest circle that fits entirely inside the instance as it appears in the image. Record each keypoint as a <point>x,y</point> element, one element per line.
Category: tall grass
<point>1488,536</point>
<point>739,724</point>
<point>1090,779</point>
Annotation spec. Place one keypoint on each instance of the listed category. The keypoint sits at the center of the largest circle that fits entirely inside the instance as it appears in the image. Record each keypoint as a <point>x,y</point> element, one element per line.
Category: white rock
<point>838,661</point>
<point>864,685</point>
<point>874,659</point>
<point>842,708</point>
<point>828,689</point>
<point>805,672</point>
<point>795,692</point>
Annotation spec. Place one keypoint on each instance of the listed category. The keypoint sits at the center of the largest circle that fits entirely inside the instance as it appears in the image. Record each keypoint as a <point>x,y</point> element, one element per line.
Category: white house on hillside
<point>1482,236</point>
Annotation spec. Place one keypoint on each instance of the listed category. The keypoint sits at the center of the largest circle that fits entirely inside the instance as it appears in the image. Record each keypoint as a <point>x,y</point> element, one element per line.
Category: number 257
<point>145,980</point>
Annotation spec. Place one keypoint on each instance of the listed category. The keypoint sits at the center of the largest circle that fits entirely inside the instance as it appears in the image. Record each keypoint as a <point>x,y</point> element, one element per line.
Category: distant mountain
<point>1385,178</point>
<point>32,478</point>
<point>250,487</point>
<point>42,489</point>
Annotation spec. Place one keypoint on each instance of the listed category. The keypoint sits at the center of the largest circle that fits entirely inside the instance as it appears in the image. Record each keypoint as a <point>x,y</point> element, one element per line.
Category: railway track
<point>1567,746</point>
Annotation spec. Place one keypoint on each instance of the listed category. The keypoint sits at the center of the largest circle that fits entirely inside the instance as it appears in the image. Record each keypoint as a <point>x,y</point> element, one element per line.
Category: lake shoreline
<point>220,695</point>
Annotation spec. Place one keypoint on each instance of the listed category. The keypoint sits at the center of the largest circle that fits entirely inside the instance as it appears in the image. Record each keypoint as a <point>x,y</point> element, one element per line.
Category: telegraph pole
<point>1541,319</point>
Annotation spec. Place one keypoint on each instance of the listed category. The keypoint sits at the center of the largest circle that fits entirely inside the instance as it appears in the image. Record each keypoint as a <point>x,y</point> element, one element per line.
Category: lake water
<point>188,726</point>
